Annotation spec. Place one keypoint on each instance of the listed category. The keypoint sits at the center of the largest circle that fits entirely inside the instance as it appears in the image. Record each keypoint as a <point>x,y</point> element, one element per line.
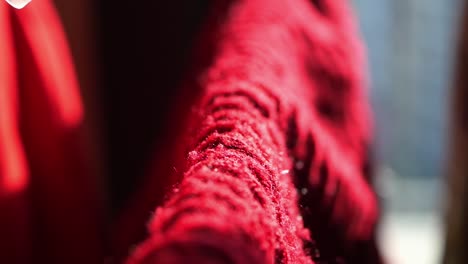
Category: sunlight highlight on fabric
<point>18,4</point>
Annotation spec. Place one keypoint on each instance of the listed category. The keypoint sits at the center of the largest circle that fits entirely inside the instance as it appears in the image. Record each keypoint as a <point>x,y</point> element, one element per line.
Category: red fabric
<point>270,133</point>
<point>276,165</point>
<point>47,195</point>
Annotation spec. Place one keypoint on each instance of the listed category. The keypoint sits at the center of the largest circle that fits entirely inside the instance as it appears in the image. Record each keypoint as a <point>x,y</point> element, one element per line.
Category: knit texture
<point>276,162</point>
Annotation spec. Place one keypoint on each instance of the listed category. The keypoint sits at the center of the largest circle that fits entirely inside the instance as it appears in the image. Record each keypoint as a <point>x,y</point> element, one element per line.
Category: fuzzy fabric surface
<point>266,158</point>
<point>276,156</point>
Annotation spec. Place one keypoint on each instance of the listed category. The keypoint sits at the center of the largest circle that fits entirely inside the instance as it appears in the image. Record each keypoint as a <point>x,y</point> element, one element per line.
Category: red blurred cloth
<point>49,212</point>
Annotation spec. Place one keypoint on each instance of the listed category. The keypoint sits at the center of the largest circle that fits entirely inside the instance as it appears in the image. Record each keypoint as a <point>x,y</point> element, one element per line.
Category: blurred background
<point>411,46</point>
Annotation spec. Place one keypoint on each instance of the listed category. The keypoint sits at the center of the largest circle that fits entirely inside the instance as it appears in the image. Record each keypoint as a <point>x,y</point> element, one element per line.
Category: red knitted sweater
<point>269,135</point>
<point>276,162</point>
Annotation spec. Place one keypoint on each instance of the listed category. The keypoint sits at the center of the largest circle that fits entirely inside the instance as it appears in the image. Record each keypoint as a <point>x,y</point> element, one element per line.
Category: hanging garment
<point>276,166</point>
<point>48,198</point>
<point>266,159</point>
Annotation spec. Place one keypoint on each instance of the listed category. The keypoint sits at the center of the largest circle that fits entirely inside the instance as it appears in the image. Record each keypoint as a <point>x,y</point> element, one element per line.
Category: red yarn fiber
<point>271,132</point>
<point>277,162</point>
